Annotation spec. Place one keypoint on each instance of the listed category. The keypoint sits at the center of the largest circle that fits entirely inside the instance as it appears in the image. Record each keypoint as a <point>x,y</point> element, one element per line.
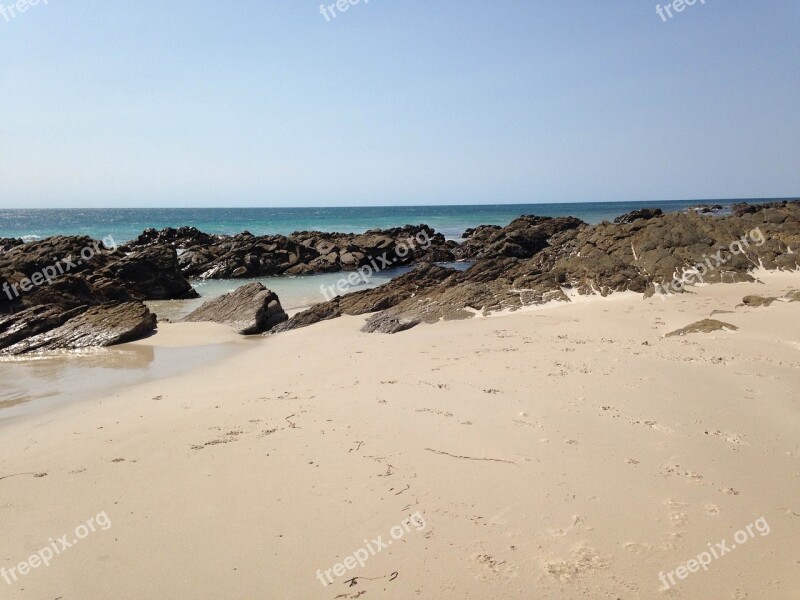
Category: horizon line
<point>366,206</point>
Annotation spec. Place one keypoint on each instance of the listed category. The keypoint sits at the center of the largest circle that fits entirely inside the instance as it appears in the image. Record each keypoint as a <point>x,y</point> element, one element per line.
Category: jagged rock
<point>757,301</point>
<point>28,323</point>
<point>301,253</point>
<point>7,244</point>
<point>383,323</point>
<point>57,263</point>
<point>251,309</point>
<point>183,237</point>
<point>535,260</point>
<point>149,274</point>
<point>644,213</point>
<point>96,326</point>
<point>704,326</point>
<point>409,285</point>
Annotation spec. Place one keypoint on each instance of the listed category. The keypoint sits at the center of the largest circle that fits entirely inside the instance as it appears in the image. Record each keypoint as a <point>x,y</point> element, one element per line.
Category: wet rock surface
<point>61,292</point>
<point>52,328</point>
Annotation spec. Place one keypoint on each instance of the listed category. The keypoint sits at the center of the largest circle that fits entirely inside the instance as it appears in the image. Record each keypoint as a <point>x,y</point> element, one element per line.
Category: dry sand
<point>567,452</point>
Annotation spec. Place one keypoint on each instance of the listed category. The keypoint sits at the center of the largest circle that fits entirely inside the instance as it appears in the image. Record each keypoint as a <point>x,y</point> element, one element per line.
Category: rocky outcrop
<point>149,274</point>
<point>644,213</point>
<point>522,238</point>
<point>407,286</point>
<point>704,326</point>
<point>536,260</point>
<point>79,267</point>
<point>50,327</point>
<point>72,292</point>
<point>181,238</point>
<point>301,253</point>
<point>251,309</point>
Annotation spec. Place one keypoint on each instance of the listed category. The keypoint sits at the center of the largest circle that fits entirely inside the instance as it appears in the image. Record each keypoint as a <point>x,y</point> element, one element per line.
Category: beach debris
<point>470,457</point>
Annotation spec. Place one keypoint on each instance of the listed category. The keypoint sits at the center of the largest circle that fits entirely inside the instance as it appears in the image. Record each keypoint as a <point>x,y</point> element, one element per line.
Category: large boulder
<point>251,309</point>
<point>57,329</point>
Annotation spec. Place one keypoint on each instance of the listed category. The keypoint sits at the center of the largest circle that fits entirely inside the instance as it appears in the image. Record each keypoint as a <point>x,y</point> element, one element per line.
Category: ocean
<point>124,224</point>
<point>127,223</point>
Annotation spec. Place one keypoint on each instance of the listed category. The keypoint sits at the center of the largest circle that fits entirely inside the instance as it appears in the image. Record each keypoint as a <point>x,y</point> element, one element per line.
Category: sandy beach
<point>567,451</point>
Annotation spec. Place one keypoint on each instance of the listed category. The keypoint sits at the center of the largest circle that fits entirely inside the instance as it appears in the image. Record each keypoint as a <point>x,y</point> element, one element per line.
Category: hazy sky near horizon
<point>266,103</point>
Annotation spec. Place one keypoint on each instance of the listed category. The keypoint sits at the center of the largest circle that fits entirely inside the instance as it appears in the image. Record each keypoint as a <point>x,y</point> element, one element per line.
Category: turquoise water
<point>128,223</point>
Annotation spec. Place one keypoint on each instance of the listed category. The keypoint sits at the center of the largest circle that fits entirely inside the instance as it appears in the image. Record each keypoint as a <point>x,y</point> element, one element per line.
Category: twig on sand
<point>17,474</point>
<point>470,457</point>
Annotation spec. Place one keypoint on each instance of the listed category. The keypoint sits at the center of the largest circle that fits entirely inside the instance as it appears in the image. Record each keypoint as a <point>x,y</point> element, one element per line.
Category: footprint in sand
<point>679,519</point>
<point>677,470</point>
<point>712,509</point>
<point>584,560</point>
<point>495,568</point>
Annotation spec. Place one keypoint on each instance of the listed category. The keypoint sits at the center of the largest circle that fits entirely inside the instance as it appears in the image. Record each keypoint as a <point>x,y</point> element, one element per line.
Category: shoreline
<point>195,339</point>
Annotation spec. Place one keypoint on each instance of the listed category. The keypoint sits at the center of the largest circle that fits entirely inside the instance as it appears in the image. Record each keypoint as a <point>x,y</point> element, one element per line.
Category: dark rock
<point>149,274</point>
<point>96,326</point>
<point>304,252</point>
<point>536,260</point>
<point>7,244</point>
<point>644,213</point>
<point>28,323</point>
<point>251,309</point>
<point>409,285</point>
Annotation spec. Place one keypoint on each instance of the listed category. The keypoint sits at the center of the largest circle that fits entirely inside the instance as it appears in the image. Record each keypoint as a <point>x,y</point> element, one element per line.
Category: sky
<point>271,103</point>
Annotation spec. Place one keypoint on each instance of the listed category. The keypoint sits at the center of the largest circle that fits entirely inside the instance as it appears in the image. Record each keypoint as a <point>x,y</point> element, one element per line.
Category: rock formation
<point>250,309</point>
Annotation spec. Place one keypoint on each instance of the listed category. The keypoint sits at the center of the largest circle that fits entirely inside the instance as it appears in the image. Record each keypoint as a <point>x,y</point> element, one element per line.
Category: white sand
<point>572,452</point>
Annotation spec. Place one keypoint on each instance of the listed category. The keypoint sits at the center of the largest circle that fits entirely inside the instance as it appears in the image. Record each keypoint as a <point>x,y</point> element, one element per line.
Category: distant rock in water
<point>7,244</point>
<point>251,309</point>
<point>301,253</point>
<point>644,213</point>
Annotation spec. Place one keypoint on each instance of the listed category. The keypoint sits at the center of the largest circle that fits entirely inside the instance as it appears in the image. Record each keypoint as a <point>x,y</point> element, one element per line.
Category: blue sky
<point>265,103</point>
